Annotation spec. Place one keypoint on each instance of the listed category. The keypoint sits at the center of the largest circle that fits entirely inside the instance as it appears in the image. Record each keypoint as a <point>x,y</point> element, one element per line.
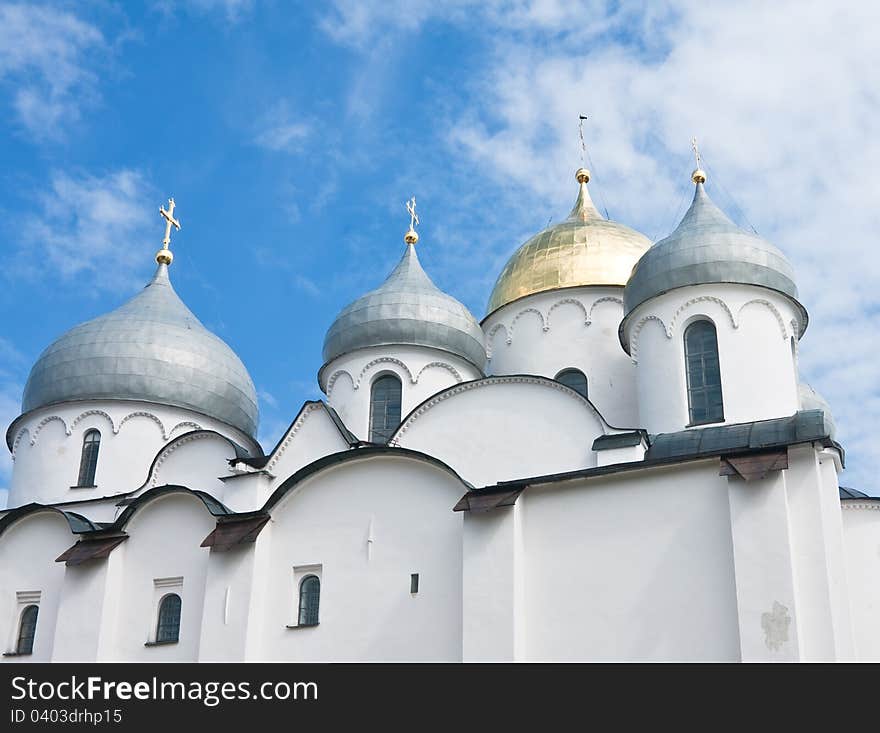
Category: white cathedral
<point>620,462</point>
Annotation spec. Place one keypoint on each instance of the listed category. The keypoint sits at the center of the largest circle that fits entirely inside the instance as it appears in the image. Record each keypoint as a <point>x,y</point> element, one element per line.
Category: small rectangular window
<point>414,583</point>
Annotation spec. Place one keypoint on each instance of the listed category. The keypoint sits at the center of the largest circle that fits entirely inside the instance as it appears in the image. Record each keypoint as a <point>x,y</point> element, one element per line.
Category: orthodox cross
<point>581,134</point>
<point>696,153</point>
<point>413,217</point>
<point>169,222</point>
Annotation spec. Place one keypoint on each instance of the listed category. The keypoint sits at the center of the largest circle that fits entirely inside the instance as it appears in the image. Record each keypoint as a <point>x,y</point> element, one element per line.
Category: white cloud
<point>45,54</point>
<point>782,96</point>
<point>279,131</point>
<point>106,224</point>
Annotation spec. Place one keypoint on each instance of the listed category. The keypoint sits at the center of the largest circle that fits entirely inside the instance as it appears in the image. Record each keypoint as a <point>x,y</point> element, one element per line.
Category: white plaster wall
<point>861,523</point>
<point>422,371</point>
<point>504,428</point>
<point>27,563</point>
<point>575,327</point>
<point>754,328</point>
<point>637,566</point>
<point>367,612</point>
<point>48,447</point>
<point>164,539</point>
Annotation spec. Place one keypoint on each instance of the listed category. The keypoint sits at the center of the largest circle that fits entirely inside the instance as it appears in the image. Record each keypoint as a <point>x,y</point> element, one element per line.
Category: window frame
<point>381,438</point>
<point>19,652</point>
<point>704,390</point>
<point>574,370</point>
<point>301,610</point>
<point>159,609</point>
<point>88,460</point>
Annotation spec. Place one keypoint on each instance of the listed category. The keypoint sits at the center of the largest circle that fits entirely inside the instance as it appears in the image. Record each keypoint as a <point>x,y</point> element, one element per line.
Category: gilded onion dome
<point>150,349</point>
<point>407,309</point>
<point>707,247</point>
<point>584,249</point>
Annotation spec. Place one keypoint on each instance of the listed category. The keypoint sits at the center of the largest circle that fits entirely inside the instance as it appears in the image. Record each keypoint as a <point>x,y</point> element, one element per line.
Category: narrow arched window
<point>384,408</point>
<point>703,373</point>
<point>88,463</point>
<point>27,630</point>
<point>575,379</point>
<point>309,600</point>
<point>168,625</point>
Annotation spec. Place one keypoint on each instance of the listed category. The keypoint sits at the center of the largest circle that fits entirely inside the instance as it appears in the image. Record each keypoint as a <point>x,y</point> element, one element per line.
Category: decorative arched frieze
<point>291,433</point>
<point>44,422</point>
<point>333,377</point>
<point>477,384</point>
<point>491,335</point>
<point>148,415</point>
<point>18,439</point>
<point>86,414</point>
<point>170,448</point>
<point>568,301</point>
<point>773,309</point>
<point>519,315</point>
<point>440,365</point>
<point>383,360</point>
<point>637,331</point>
<point>603,299</point>
<point>184,424</point>
<point>694,301</point>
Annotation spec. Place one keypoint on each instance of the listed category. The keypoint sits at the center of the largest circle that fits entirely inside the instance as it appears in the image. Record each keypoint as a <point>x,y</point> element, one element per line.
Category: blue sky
<point>290,135</point>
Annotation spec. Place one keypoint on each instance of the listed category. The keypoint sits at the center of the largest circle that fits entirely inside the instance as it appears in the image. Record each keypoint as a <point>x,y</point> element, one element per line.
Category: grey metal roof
<point>151,349</point>
<point>707,247</point>
<point>407,309</point>
<point>810,399</point>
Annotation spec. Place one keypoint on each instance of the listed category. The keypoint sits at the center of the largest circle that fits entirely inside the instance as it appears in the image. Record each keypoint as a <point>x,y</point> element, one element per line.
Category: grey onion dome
<point>150,349</point>
<point>707,247</point>
<point>810,399</point>
<point>407,309</point>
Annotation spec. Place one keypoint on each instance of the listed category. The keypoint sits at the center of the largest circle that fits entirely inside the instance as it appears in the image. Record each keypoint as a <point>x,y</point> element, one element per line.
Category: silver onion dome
<point>707,247</point>
<point>151,349</point>
<point>407,309</point>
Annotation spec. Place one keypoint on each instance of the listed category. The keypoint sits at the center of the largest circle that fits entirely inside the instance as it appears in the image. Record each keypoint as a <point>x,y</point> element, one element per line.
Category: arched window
<point>27,630</point>
<point>309,600</point>
<point>88,464</point>
<point>575,379</point>
<point>384,408</point>
<point>703,373</point>
<point>168,625</point>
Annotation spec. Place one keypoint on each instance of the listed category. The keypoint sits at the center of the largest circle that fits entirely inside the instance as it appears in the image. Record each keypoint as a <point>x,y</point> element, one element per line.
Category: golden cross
<point>413,217</point>
<point>169,222</point>
<point>696,152</point>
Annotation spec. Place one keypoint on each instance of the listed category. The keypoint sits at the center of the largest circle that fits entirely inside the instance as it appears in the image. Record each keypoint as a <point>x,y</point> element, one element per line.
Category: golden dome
<point>585,249</point>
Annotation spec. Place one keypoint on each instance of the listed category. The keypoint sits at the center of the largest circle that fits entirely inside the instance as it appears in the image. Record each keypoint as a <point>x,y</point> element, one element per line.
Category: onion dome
<point>151,349</point>
<point>407,309</point>
<point>584,249</point>
<point>810,399</point>
<point>707,247</point>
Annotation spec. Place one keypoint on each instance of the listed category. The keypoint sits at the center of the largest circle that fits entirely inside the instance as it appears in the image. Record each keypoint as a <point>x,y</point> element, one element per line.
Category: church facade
<point>620,462</point>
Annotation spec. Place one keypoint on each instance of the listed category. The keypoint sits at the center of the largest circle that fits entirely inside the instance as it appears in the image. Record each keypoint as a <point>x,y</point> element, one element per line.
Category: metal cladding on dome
<point>151,349</point>
<point>707,247</point>
<point>407,309</point>
<point>585,249</point>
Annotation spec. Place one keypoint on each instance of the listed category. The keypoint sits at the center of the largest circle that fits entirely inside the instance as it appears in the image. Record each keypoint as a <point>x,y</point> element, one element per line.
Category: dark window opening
<point>575,379</point>
<point>414,583</point>
<point>705,403</point>
<point>385,401</point>
<point>88,463</point>
<point>168,626</point>
<point>27,630</point>
<point>309,600</point>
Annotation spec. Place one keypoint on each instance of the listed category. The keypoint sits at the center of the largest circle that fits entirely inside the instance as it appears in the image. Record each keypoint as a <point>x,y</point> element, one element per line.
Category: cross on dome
<point>411,237</point>
<point>164,255</point>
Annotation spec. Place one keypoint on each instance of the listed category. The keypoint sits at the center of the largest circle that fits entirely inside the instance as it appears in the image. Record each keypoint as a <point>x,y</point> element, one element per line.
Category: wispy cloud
<point>90,223</point>
<point>783,128</point>
<point>280,132</point>
<point>47,57</point>
<point>231,11</point>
